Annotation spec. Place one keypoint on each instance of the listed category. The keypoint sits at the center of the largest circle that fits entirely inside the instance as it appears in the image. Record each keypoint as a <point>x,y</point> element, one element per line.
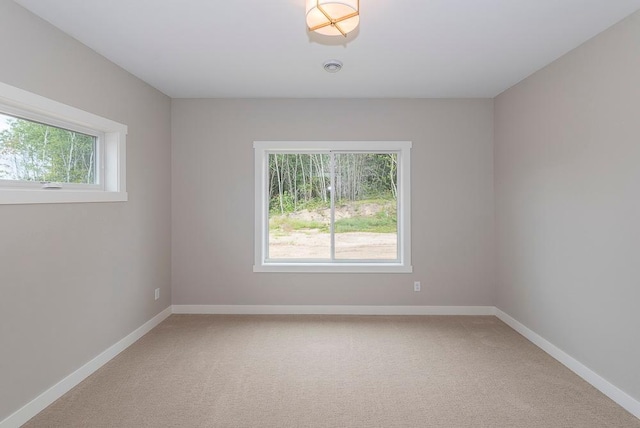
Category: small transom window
<point>52,156</point>
<point>54,153</point>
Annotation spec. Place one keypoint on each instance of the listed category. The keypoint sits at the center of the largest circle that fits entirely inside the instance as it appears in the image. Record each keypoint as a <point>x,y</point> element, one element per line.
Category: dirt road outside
<point>349,246</point>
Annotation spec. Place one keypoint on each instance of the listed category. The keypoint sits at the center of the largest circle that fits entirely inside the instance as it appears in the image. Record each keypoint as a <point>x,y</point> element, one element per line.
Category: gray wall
<point>213,199</point>
<point>567,152</point>
<point>76,278</point>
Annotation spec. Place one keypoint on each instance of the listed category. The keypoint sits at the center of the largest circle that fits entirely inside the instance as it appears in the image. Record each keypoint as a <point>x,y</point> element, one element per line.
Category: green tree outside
<point>32,151</point>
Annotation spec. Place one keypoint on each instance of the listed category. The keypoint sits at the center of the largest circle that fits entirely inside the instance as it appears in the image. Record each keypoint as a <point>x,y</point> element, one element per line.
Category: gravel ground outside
<point>315,245</point>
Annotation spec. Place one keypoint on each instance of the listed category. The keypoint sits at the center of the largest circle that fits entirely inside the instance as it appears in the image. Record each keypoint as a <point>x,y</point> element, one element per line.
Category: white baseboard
<point>59,389</point>
<point>332,310</point>
<point>607,388</point>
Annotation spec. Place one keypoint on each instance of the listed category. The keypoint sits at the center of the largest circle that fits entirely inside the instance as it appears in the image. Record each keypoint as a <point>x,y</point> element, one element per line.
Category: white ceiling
<point>403,48</point>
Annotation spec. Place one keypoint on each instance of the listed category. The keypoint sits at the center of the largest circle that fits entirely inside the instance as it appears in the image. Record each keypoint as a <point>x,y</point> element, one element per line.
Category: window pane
<point>32,151</point>
<point>366,225</point>
<point>299,206</point>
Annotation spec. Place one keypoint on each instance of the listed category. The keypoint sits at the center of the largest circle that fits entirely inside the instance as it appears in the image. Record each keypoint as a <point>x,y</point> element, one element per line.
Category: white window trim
<point>261,151</point>
<point>111,150</point>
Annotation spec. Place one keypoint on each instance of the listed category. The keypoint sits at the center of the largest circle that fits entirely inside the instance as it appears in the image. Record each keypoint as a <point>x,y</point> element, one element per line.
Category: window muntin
<point>32,151</point>
<point>332,206</point>
<point>107,181</point>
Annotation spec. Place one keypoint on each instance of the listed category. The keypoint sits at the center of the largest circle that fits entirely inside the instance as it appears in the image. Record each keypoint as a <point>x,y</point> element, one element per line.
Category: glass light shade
<point>334,15</point>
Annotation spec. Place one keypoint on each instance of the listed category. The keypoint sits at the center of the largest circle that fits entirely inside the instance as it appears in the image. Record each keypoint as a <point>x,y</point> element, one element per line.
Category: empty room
<point>319,213</point>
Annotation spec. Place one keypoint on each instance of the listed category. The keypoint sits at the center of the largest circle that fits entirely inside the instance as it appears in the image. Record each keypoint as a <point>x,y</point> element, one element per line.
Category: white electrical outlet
<point>416,286</point>
<point>157,294</point>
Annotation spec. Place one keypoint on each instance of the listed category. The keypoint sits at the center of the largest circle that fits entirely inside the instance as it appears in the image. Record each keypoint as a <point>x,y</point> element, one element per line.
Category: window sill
<point>39,196</point>
<point>333,268</point>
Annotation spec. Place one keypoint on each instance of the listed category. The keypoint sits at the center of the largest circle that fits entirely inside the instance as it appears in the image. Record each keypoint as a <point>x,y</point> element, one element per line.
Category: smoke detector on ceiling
<point>332,66</point>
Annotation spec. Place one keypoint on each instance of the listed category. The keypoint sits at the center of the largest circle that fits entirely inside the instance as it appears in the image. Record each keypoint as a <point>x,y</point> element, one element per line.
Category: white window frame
<point>110,151</point>
<point>262,149</point>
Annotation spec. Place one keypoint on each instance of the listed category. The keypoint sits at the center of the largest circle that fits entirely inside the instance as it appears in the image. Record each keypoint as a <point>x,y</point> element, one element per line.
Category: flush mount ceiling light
<point>333,17</point>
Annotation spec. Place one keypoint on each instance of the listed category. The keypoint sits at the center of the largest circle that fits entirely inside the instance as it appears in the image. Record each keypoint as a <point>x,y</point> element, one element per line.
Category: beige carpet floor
<point>333,371</point>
